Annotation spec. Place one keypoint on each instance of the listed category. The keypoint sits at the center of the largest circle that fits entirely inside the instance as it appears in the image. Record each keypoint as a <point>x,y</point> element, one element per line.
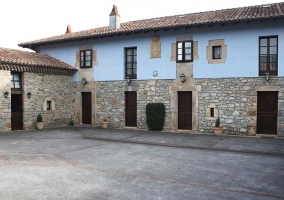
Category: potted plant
<point>39,122</point>
<point>105,122</point>
<point>218,130</point>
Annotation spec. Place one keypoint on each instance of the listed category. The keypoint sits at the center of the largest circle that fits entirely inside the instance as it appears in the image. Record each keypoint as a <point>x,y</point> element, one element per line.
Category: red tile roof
<point>260,12</point>
<point>15,59</point>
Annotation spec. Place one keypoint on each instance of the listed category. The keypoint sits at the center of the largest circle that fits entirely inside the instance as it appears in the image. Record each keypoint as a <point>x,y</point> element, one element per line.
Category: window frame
<point>132,75</point>
<point>13,81</point>
<point>83,65</point>
<point>214,57</point>
<point>271,72</point>
<point>48,105</point>
<point>183,51</point>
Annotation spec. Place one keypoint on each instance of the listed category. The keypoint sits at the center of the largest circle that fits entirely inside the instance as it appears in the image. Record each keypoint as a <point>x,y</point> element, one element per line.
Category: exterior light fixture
<point>6,94</point>
<point>182,78</point>
<point>84,81</point>
<point>29,94</point>
<point>128,80</point>
<point>267,76</point>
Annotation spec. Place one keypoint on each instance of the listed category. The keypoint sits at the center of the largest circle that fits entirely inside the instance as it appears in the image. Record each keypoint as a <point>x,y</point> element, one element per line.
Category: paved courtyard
<point>89,163</point>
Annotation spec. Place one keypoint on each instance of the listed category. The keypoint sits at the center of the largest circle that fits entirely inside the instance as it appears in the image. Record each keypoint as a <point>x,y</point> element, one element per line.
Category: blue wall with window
<point>241,39</point>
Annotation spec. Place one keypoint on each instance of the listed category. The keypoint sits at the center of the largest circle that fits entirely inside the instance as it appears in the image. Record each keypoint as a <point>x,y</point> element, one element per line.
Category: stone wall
<point>235,101</point>
<point>58,89</point>
<point>5,103</point>
<point>110,99</point>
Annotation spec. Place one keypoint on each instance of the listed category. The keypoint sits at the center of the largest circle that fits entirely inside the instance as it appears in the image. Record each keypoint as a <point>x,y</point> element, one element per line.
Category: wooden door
<point>267,105</point>
<point>185,110</point>
<point>17,112</point>
<point>131,109</point>
<point>86,108</point>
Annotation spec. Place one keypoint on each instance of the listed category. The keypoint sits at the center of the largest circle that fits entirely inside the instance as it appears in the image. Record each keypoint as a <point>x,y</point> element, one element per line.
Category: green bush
<point>155,114</point>
<point>217,123</point>
<point>39,118</point>
<point>71,123</point>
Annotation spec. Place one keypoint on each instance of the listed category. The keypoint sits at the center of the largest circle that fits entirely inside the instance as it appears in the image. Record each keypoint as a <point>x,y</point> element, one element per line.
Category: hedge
<point>155,115</point>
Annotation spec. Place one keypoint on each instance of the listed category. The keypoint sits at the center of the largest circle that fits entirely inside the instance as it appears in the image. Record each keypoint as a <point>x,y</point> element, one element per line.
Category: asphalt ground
<point>92,163</point>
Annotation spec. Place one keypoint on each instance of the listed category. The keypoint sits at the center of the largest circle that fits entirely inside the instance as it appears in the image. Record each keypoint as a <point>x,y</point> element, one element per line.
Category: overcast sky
<point>26,20</point>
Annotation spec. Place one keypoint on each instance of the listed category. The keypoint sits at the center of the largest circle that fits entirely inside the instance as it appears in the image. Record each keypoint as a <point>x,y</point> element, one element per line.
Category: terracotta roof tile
<point>17,57</point>
<point>259,12</point>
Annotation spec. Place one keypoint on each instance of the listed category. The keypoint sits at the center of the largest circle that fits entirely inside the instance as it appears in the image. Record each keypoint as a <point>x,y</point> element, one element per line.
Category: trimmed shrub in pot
<point>39,122</point>
<point>218,130</point>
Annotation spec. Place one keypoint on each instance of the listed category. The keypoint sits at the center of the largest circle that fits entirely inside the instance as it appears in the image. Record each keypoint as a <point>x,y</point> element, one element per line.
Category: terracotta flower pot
<point>218,130</point>
<point>39,125</point>
<point>104,124</point>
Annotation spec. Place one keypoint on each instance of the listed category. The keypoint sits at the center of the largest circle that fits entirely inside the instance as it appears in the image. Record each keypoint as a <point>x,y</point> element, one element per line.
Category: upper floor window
<point>268,55</point>
<point>185,51</point>
<point>131,62</point>
<point>16,82</point>
<point>86,58</point>
<point>216,52</point>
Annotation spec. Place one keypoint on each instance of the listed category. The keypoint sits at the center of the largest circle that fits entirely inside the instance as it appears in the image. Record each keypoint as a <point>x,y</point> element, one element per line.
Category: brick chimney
<point>114,19</point>
<point>68,30</point>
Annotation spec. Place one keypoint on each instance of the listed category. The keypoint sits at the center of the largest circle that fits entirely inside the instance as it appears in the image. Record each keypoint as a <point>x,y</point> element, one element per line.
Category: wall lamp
<point>128,80</point>
<point>29,95</point>
<point>182,78</point>
<point>267,76</point>
<point>6,94</point>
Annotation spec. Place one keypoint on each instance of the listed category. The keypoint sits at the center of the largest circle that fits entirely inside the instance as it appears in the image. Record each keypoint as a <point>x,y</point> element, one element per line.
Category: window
<point>216,52</point>
<point>16,81</point>
<point>268,55</point>
<point>131,63</point>
<point>86,58</point>
<point>48,105</point>
<point>211,112</point>
<point>184,51</point>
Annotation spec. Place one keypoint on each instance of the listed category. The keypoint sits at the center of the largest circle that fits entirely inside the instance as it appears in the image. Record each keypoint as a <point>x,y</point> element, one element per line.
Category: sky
<point>27,20</point>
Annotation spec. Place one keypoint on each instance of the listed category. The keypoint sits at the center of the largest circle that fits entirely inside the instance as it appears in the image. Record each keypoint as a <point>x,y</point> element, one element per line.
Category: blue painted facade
<point>242,42</point>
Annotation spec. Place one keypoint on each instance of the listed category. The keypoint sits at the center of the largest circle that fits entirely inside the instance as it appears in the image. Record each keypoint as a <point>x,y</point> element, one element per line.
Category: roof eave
<point>33,45</point>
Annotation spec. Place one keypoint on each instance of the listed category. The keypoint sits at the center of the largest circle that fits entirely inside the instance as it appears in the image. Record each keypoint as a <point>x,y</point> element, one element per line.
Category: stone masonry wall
<point>5,103</point>
<point>111,100</point>
<point>58,89</point>
<point>235,102</point>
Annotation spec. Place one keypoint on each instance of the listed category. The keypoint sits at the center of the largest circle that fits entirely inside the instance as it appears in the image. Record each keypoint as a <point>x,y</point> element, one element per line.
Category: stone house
<point>201,65</point>
<point>32,84</point>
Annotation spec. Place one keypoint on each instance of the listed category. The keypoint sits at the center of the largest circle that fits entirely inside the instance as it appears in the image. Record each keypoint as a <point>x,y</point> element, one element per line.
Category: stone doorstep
<point>130,128</point>
<point>185,131</point>
<point>266,136</point>
<point>85,125</point>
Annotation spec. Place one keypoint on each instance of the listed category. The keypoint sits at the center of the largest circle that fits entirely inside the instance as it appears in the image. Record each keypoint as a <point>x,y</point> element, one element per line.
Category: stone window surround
<point>213,43</point>
<point>45,105</point>
<point>208,112</point>
<point>195,48</point>
<point>87,73</point>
